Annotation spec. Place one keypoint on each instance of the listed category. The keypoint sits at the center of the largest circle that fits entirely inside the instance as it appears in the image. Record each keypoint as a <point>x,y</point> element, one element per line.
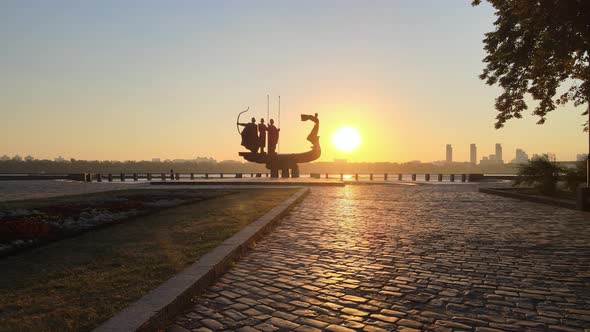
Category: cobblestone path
<point>384,258</point>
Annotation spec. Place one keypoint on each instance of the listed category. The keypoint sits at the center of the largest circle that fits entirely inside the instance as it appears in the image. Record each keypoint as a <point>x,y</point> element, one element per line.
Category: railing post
<point>135,177</point>
<point>110,177</point>
<point>326,175</point>
<point>122,176</point>
<point>177,176</point>
<point>452,176</point>
<point>356,176</point>
<point>149,176</point>
<point>440,176</point>
<point>171,175</point>
<point>98,177</point>
<point>371,176</point>
<point>385,176</point>
<point>192,176</point>
<point>427,177</point>
<point>163,177</point>
<point>463,177</point>
<point>341,177</point>
<point>413,177</point>
<point>221,175</point>
<point>399,177</point>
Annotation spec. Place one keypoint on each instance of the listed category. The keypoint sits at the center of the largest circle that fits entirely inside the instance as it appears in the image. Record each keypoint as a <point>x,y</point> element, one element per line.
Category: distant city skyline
<point>519,157</point>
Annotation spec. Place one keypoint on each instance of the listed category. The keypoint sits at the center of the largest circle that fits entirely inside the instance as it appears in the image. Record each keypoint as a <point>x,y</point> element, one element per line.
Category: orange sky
<point>120,82</point>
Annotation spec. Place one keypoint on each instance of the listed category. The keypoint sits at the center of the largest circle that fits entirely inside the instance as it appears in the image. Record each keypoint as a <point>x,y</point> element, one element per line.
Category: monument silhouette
<point>287,163</point>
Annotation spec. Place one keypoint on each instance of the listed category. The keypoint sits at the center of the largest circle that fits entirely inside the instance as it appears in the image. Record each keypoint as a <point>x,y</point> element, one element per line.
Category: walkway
<point>381,258</point>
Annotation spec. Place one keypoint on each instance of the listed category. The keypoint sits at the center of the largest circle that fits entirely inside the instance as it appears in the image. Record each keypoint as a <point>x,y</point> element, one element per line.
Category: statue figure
<point>262,135</point>
<point>250,136</point>
<point>273,137</point>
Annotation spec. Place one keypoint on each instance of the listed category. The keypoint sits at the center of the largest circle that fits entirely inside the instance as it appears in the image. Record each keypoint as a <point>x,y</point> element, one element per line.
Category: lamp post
<point>584,192</point>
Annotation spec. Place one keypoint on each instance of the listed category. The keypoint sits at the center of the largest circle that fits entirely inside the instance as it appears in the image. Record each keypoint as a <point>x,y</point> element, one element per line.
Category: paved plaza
<point>406,258</point>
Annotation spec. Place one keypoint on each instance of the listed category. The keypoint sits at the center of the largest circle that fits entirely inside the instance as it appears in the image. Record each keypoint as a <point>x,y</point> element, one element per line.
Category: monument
<point>287,163</point>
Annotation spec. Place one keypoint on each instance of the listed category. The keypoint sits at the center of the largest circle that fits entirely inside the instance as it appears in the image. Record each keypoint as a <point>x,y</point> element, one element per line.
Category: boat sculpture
<point>287,163</point>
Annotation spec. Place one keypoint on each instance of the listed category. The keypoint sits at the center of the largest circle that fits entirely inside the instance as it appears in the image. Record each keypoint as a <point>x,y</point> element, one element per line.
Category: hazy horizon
<point>133,81</point>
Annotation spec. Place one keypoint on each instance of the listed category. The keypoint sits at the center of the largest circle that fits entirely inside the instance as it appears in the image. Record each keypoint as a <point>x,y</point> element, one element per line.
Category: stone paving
<point>407,258</point>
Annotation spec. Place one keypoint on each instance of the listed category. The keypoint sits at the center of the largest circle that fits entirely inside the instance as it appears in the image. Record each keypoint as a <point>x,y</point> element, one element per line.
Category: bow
<point>238,120</point>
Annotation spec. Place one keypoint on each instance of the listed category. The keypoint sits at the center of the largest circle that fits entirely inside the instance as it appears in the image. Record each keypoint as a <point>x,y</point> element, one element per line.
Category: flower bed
<point>35,222</point>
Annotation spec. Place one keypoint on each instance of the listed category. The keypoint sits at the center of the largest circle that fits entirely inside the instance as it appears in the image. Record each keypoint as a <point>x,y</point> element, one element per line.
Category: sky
<point>136,80</point>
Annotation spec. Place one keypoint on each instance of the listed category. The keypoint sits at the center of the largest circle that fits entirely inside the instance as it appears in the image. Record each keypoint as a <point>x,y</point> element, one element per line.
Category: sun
<point>346,139</point>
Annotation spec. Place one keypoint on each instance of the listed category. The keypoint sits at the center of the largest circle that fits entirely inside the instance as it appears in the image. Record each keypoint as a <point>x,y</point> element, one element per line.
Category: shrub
<point>574,177</point>
<point>542,172</point>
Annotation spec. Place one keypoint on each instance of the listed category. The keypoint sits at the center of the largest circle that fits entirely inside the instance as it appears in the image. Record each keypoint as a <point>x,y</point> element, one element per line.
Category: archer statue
<point>249,133</point>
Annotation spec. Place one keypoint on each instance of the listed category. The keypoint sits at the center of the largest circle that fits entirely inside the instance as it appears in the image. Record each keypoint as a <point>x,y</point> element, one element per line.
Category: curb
<point>155,309</point>
<point>535,199</point>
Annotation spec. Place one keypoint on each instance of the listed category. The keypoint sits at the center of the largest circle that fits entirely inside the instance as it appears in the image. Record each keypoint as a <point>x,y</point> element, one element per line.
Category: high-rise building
<point>449,153</point>
<point>473,154</point>
<point>521,157</point>
<point>499,153</point>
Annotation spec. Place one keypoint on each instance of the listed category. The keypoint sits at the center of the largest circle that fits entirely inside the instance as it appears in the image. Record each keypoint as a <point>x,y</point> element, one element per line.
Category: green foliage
<point>537,46</point>
<point>574,177</point>
<point>541,172</point>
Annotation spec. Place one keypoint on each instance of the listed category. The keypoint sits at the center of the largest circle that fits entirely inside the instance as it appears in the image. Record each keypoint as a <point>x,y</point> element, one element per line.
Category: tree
<point>538,45</point>
<point>542,172</point>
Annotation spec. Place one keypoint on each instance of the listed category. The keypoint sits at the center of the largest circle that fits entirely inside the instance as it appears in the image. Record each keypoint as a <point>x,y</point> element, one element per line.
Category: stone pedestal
<point>295,171</point>
<point>285,173</point>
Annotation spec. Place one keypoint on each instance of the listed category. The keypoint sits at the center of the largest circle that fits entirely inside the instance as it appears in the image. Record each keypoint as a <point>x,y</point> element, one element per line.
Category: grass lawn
<point>77,283</point>
<point>24,224</point>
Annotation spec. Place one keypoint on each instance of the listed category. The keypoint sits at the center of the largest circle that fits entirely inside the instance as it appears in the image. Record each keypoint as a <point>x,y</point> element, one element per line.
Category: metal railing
<point>415,177</point>
<point>173,176</point>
